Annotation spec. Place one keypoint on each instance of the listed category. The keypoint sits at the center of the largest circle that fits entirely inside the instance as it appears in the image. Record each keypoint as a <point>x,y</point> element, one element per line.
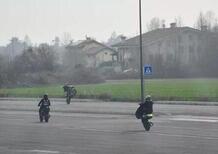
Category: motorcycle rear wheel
<point>41,119</point>
<point>46,118</point>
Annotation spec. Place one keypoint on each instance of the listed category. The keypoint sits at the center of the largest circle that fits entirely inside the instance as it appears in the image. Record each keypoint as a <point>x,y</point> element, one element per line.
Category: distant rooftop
<point>153,36</point>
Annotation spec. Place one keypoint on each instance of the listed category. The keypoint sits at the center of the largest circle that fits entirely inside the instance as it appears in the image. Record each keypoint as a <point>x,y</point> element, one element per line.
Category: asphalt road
<point>82,128</point>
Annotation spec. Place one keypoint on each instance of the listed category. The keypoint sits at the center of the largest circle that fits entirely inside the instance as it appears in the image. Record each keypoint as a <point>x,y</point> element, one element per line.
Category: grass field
<point>129,90</point>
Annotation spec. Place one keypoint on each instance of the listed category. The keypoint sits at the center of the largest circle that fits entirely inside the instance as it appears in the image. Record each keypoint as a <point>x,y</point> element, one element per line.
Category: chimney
<point>203,28</point>
<point>123,38</point>
<point>173,25</point>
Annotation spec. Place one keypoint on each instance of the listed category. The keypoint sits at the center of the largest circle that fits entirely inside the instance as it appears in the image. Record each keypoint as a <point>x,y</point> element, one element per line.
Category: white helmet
<point>148,98</point>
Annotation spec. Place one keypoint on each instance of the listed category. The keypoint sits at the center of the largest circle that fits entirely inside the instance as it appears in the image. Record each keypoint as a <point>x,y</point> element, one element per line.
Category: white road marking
<point>185,136</point>
<point>42,151</point>
<point>195,119</point>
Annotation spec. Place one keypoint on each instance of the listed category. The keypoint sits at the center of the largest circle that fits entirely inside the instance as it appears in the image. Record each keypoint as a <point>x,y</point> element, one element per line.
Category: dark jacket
<point>147,107</point>
<point>44,103</point>
<point>144,108</point>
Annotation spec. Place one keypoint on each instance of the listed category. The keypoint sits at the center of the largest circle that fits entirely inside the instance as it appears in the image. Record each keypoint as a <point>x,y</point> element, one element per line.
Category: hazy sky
<point>42,20</point>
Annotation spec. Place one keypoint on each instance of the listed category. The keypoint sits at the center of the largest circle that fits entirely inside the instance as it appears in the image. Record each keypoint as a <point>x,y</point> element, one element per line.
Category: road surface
<point>82,128</point>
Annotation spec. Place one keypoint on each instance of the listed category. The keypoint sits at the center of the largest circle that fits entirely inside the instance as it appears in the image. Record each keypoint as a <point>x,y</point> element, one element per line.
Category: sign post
<point>141,55</point>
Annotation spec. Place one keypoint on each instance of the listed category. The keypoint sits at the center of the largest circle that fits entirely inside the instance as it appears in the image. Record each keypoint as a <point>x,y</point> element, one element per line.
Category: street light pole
<point>141,55</point>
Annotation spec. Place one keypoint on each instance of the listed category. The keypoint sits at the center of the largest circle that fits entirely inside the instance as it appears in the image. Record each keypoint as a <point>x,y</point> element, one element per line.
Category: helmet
<point>45,96</point>
<point>148,98</point>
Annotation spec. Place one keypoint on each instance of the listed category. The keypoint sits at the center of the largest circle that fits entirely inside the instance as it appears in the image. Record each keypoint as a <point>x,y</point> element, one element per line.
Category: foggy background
<point>61,41</point>
<point>42,20</point>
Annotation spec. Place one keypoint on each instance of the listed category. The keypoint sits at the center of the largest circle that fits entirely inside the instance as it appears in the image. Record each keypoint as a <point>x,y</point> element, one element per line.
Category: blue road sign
<point>147,70</point>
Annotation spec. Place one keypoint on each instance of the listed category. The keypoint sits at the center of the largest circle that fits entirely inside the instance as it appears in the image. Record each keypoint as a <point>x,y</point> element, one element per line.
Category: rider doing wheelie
<point>145,112</point>
<point>70,92</point>
<point>44,109</point>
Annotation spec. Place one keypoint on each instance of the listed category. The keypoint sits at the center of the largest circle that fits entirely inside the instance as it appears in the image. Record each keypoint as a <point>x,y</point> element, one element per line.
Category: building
<point>93,53</point>
<point>164,48</point>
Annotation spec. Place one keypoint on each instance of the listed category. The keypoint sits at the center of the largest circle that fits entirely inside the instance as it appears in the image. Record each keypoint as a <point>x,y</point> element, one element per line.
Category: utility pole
<point>141,55</point>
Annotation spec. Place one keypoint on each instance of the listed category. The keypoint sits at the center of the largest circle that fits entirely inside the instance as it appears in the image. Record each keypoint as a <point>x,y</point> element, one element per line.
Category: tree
<point>56,41</point>
<point>73,57</point>
<point>2,70</point>
<point>66,38</point>
<point>207,19</point>
<point>114,39</point>
<point>47,58</point>
<point>201,21</point>
<point>215,27</point>
<point>36,59</point>
<point>14,48</point>
<point>27,41</point>
<point>178,21</point>
<point>154,23</point>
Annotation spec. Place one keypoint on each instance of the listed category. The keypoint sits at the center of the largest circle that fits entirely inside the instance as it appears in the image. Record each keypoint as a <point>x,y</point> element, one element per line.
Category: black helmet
<point>45,96</point>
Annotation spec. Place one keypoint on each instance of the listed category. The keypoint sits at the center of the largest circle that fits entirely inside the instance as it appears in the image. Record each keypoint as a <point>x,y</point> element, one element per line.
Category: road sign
<point>147,70</point>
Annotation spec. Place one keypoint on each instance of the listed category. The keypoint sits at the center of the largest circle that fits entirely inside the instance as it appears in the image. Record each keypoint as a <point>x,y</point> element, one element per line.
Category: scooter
<point>44,114</point>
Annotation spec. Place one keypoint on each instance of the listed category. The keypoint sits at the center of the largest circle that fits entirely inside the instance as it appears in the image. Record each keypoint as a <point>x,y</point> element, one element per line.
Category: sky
<point>43,20</point>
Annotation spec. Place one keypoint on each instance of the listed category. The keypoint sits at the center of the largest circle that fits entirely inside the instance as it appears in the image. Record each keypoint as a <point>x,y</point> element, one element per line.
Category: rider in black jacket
<point>147,106</point>
<point>147,109</point>
<point>44,103</point>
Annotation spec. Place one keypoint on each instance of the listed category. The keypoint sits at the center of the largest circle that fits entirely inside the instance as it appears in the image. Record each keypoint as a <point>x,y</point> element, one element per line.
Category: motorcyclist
<point>70,92</point>
<point>147,106</point>
<point>44,104</point>
<point>145,110</point>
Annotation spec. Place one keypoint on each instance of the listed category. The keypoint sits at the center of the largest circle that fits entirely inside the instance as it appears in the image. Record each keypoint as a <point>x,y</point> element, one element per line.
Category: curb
<point>100,101</point>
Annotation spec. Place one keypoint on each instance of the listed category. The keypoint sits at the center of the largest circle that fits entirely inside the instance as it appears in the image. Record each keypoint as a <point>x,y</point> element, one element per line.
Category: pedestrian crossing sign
<point>147,70</point>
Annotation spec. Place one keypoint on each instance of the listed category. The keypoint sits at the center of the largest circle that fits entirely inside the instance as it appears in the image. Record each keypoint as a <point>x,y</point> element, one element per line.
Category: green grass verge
<point>129,90</point>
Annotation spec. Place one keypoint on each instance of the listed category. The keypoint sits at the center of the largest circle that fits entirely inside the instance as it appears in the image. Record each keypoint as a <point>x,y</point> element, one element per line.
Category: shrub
<point>85,76</point>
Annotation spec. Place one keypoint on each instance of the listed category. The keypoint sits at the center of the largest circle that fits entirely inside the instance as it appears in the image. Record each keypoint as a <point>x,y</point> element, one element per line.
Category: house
<point>94,54</point>
<point>164,48</point>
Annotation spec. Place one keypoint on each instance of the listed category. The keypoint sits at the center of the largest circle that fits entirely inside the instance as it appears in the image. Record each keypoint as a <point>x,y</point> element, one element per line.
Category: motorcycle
<point>144,118</point>
<point>70,92</point>
<point>145,121</point>
<point>44,114</point>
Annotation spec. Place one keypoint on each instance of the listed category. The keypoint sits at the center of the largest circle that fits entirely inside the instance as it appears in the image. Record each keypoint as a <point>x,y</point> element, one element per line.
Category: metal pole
<point>141,55</point>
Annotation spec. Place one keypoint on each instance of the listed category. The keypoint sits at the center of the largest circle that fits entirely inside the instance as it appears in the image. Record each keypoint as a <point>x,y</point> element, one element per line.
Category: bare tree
<point>27,41</point>
<point>66,38</point>
<point>215,27</point>
<point>178,21</point>
<point>207,19</point>
<point>155,23</point>
<point>201,21</point>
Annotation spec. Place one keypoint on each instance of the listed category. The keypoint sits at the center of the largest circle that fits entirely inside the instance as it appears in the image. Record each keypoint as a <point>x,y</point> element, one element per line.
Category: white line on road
<point>184,136</point>
<point>42,151</point>
<point>195,119</point>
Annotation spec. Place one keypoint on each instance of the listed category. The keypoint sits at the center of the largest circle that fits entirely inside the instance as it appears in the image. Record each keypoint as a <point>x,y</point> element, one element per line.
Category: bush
<point>85,76</point>
<point>120,76</point>
<point>31,79</point>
